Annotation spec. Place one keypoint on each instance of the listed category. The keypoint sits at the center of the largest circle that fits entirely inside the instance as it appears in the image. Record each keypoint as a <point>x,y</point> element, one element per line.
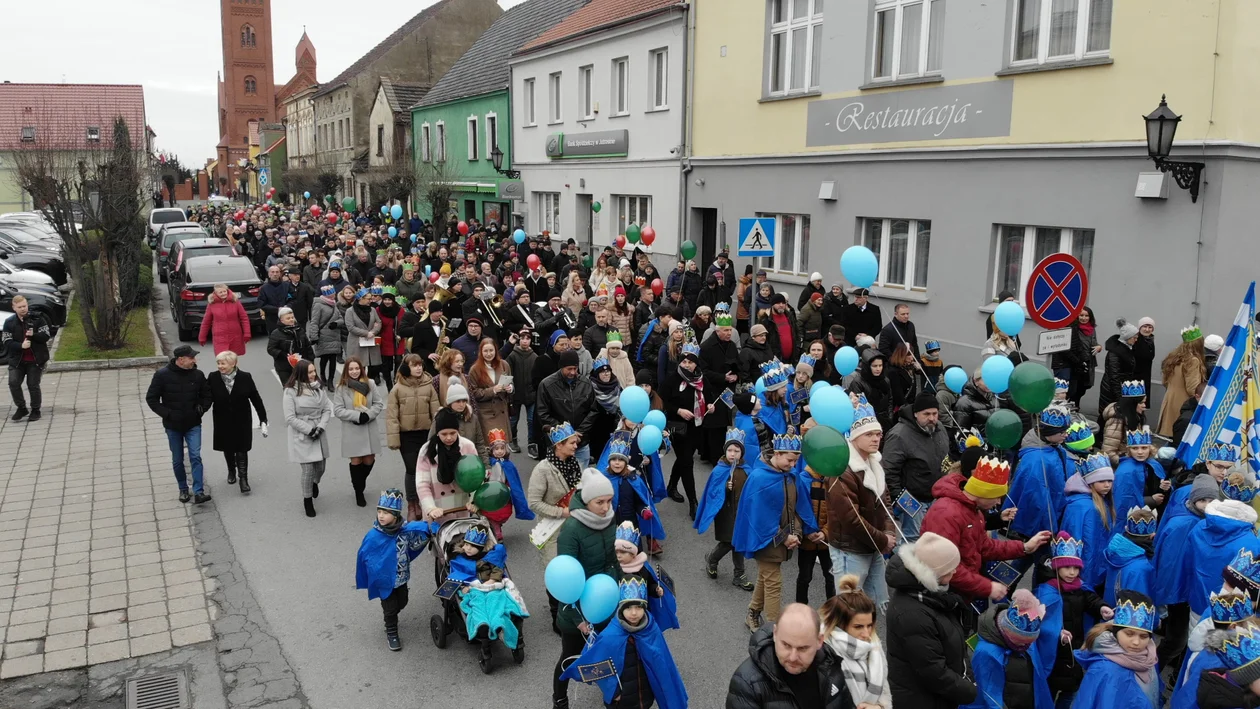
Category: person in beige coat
<point>550,486</point>
<point>492,394</point>
<point>1183,370</point>
<point>409,412</point>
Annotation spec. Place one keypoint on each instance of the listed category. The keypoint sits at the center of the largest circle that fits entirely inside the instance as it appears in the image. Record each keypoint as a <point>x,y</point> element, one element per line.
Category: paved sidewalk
<point>97,557</point>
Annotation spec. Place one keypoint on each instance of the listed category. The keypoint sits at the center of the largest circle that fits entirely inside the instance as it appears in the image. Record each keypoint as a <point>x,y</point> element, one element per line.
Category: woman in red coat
<point>225,321</point>
<point>390,313</point>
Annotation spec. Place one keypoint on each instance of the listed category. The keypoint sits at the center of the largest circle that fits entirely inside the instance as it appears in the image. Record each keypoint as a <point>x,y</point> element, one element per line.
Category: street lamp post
<point>1161,128</point>
<point>496,156</point>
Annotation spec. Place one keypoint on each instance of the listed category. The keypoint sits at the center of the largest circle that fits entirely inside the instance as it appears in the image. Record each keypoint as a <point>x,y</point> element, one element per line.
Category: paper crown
<point>327,290</point>
<point>1230,608</point>
<point>1238,647</point>
<point>932,345</point>
<point>1236,486</point>
<point>1021,621</point>
<point>633,590</point>
<point>640,281</point>
<point>362,292</point>
<point>1080,437</point>
<point>723,319</point>
<point>1134,610</point>
<point>389,290</point>
<point>1222,452</point>
<point>690,350</point>
<point>1094,465</point>
<point>774,375</point>
<point>391,501</point>
<point>1054,416</point>
<point>734,435</point>
<point>628,534</point>
<point>1141,521</point>
<point>787,443</point>
<point>599,364</point>
<point>1140,437</point>
<point>863,412</point>
<point>969,438</point>
<point>1066,550</point>
<point>722,307</point>
<point>1133,390</point>
<point>613,336</point>
<point>1190,334</point>
<point>496,435</point>
<point>1060,384</point>
<point>991,478</point>
<point>561,431</point>
<point>807,361</point>
<point>1243,571</point>
<point>619,448</point>
<point>476,536</point>
<point>376,290</point>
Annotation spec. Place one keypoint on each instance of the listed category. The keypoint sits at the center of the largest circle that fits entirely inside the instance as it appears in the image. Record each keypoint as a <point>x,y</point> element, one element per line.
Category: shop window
<point>1020,248</point>
<point>547,206</point>
<point>632,209</point>
<point>791,245</point>
<point>908,38</point>
<point>1060,30</point>
<point>795,49</point>
<point>901,246</point>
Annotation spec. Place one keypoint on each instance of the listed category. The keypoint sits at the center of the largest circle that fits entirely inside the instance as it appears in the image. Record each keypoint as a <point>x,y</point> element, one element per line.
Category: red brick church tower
<point>247,89</point>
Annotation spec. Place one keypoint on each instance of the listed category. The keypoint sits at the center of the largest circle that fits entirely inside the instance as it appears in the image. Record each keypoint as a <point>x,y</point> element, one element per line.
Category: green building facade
<point>453,144</point>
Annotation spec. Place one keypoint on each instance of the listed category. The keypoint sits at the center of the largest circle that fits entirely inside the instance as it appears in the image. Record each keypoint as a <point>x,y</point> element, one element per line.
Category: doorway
<point>470,209</point>
<point>584,227</point>
<point>704,222</point>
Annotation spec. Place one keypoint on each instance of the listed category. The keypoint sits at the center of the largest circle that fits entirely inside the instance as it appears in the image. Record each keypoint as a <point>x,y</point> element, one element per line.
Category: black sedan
<point>188,248</point>
<point>36,260</point>
<point>198,275</point>
<point>43,301</point>
<point>171,233</point>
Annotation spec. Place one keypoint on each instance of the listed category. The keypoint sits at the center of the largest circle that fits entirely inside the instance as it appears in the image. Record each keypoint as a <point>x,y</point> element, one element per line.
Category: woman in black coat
<point>1120,365</point>
<point>288,339</point>
<point>682,392</point>
<point>871,380</point>
<point>233,392</point>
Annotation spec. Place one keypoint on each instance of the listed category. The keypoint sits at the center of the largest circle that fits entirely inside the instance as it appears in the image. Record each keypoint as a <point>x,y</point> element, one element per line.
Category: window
<point>1060,30</point>
<point>28,134</point>
<point>426,149</point>
<point>621,86</point>
<point>472,138</point>
<point>251,85</point>
<point>908,37</point>
<point>1020,248</point>
<point>901,246</point>
<point>492,135</point>
<point>553,99</point>
<point>380,140</point>
<point>94,134</point>
<point>585,102</point>
<point>548,208</point>
<point>632,210</point>
<point>795,46</point>
<point>439,152</point>
<point>530,119</point>
<point>792,244</point>
<point>341,134</point>
<point>658,64</point>
<point>247,37</point>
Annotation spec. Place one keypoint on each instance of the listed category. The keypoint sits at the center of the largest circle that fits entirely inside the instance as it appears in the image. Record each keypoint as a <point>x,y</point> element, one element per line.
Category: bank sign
<point>595,144</point>
<point>981,110</point>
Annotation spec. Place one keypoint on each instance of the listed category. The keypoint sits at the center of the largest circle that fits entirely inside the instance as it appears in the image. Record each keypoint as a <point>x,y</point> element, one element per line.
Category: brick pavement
<point>97,556</point>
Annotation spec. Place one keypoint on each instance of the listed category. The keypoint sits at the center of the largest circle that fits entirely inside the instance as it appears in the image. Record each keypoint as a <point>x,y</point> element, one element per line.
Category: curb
<point>85,365</point>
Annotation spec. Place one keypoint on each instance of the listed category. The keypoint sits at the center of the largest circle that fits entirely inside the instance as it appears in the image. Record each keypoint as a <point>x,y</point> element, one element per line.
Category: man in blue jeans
<point>180,394</point>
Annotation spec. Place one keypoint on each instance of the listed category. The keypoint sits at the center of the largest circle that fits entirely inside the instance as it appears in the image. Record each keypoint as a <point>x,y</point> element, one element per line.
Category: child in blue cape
<point>1128,556</point>
<point>1172,582</point>
<point>662,603</point>
<point>1089,515</point>
<point>747,406</point>
<point>1227,526</point>
<point>719,502</point>
<point>1239,684</point>
<point>1140,479</point>
<point>1008,675</point>
<point>1119,659</point>
<point>648,466</point>
<point>1068,604</point>
<point>1043,470</point>
<point>629,660</point>
<point>384,562</point>
<point>1227,609</point>
<point>503,470</point>
<point>632,498</point>
<point>775,413</point>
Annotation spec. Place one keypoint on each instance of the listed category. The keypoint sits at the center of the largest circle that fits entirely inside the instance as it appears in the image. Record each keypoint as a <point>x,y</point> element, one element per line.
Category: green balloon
<point>826,450</point>
<point>1032,386</point>
<point>492,496</point>
<point>348,204</point>
<point>632,234</point>
<point>596,206</point>
<point>588,261</point>
<point>470,473</point>
<point>1004,429</point>
<point>688,250</point>
<point>328,198</point>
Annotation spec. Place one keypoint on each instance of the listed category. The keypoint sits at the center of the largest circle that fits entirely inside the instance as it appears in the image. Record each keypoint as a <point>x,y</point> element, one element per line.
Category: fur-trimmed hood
<point>921,571</point>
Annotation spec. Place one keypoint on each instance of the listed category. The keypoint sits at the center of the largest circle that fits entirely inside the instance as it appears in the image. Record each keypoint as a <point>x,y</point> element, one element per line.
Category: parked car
<point>218,199</point>
<point>169,234</point>
<point>198,275</point>
<point>160,217</point>
<point>25,277</point>
<point>38,231</point>
<point>36,260</point>
<point>50,305</point>
<point>21,240</point>
<point>189,248</point>
<point>37,219</point>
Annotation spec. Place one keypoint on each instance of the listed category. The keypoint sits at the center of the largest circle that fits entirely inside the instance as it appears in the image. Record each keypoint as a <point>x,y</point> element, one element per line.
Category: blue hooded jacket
<point>774,416</point>
<point>610,645</point>
<point>1186,689</point>
<point>1037,486</point>
<point>761,508</point>
<point>1128,568</point>
<point>650,469</point>
<point>1212,544</point>
<point>648,526</point>
<point>714,497</point>
<point>988,666</point>
<point>1110,686</point>
<point>1130,486</point>
<point>379,567</point>
<point>1081,520</point>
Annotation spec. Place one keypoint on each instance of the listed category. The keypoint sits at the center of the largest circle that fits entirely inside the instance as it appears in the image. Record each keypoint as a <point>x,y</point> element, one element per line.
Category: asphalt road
<point>302,572</point>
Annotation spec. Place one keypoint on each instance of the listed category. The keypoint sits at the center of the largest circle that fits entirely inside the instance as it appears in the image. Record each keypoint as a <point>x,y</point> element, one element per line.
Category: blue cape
<point>463,568</point>
<point>1081,520</point>
<point>1172,584</point>
<point>744,422</point>
<point>520,506</point>
<point>377,566</point>
<point>1130,483</point>
<point>714,497</point>
<point>648,527</point>
<point>644,337</point>
<point>1176,506</point>
<point>773,416</point>
<point>664,609</point>
<point>1128,568</point>
<point>1186,693</point>
<point>761,508</point>
<point>655,478</point>
<point>988,665</point>
<point>1209,549</point>
<point>1039,508</point>
<point>1108,685</point>
<point>658,663</point>
<point>1046,646</point>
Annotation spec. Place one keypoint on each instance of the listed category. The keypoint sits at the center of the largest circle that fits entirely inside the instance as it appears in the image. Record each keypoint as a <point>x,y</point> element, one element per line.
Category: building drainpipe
<point>684,161</point>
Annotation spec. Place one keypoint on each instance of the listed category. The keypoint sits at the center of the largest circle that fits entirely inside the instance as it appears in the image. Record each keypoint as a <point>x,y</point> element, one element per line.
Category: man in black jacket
<point>861,318</point>
<point>913,452</point>
<point>565,396</point>
<point>897,330</point>
<point>180,394</point>
<point>789,667</point>
<point>274,294</point>
<point>25,337</point>
<point>303,296</point>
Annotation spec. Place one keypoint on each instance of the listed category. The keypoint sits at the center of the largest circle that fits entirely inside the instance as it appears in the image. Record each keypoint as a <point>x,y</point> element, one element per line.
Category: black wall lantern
<point>496,156</point>
<point>1161,128</point>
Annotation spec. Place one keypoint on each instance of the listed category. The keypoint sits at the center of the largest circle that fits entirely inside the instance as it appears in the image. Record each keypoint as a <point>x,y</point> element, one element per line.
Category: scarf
<point>447,460</point>
<point>1087,330</point>
<point>392,528</point>
<point>569,468</point>
<point>329,299</point>
<point>695,380</point>
<point>388,311</point>
<point>1064,586</point>
<point>607,393</point>
<point>1141,663</point>
<point>592,520</point>
<point>635,566</point>
<point>863,664</point>
<point>364,313</point>
<point>361,390</point>
<point>229,380</point>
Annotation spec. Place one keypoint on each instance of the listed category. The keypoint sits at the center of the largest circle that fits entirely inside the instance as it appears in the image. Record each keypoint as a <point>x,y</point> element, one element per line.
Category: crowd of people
<point>1036,576</point>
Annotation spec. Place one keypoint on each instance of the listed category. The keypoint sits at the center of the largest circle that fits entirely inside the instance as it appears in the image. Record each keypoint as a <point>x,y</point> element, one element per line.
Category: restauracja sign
<point>979,110</point>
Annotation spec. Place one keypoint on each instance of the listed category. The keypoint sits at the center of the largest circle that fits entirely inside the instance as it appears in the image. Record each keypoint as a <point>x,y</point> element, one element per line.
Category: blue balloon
<point>599,598</point>
<point>760,387</point>
<point>846,360</point>
<point>655,418</point>
<point>393,231</point>
<point>519,236</point>
<point>635,403</point>
<point>413,238</point>
<point>428,269</point>
<point>832,407</point>
<point>565,578</point>
<point>1009,318</point>
<point>955,379</point>
<point>859,266</point>
<point>650,438</point>
<point>996,372</point>
<point>396,212</point>
<point>306,195</point>
<point>821,384</point>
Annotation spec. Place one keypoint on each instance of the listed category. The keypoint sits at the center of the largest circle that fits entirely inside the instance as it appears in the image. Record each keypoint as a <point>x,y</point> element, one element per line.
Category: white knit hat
<point>815,276</point>
<point>594,485</point>
<point>456,392</point>
<point>1213,343</point>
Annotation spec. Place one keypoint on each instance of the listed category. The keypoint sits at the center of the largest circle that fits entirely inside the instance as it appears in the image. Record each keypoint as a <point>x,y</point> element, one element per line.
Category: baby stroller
<point>453,619</point>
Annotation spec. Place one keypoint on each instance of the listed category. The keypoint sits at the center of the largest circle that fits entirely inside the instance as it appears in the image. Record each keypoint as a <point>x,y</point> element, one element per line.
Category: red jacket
<point>389,334</point>
<point>956,518</point>
<point>227,322</point>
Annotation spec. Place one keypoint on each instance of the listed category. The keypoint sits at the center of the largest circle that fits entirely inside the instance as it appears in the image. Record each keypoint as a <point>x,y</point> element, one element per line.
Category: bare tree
<point>89,192</point>
<point>434,186</point>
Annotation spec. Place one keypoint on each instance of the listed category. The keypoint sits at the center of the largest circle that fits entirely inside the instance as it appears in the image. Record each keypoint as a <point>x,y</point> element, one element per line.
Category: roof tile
<point>599,13</point>
<point>62,113</point>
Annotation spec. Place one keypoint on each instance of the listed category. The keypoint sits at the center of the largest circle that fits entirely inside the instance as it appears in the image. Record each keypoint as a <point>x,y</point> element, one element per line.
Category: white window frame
<point>28,134</point>
<point>1080,48</point>
<point>94,134</point>
<point>1067,237</point>
<point>898,7</point>
<point>547,206</point>
<point>775,263</point>
<point>439,155</point>
<point>640,205</point>
<point>426,144</point>
<point>531,116</point>
<point>474,138</point>
<point>492,134</point>
<point>555,98</point>
<point>585,91</point>
<point>885,247</point>
<point>620,87</point>
<point>811,22</point>
<point>658,81</point>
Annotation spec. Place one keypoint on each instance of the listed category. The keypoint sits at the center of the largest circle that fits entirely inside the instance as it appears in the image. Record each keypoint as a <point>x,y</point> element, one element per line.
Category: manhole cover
<point>165,691</point>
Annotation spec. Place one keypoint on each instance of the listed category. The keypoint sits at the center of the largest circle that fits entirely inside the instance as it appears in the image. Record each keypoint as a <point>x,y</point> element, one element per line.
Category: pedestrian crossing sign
<point>263,177</point>
<point>756,237</point>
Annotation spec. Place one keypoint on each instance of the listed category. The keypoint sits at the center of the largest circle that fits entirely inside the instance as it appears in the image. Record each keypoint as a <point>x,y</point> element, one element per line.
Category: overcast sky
<point>173,48</point>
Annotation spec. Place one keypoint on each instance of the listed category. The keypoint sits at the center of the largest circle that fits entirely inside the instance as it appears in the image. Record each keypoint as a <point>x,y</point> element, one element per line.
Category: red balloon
<point>266,207</point>
<point>533,261</point>
<point>620,241</point>
<point>433,277</point>
<point>240,215</point>
<point>657,286</point>
<point>332,218</point>
<point>462,227</point>
<point>316,211</point>
<point>647,235</point>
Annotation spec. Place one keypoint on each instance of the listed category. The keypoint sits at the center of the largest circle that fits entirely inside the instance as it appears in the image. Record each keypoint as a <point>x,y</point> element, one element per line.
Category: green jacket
<point>594,548</point>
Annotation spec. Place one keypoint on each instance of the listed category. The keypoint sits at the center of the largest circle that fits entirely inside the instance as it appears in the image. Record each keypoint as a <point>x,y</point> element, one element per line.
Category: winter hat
<point>555,336</point>
<point>970,458</point>
<point>645,376</point>
<point>925,401</point>
<point>990,480</point>
<point>1020,622</point>
<point>1097,469</point>
<point>745,402</point>
<point>1213,343</point>
<point>594,485</point>
<point>815,276</point>
<point>1144,322</point>
<point>778,298</point>
<point>446,419</point>
<point>1204,487</point>
<point>1231,509</point>
<point>1066,552</point>
<point>937,553</point>
<point>1127,330</point>
<point>568,358</point>
<point>815,298</point>
<point>757,329</point>
<point>456,392</point>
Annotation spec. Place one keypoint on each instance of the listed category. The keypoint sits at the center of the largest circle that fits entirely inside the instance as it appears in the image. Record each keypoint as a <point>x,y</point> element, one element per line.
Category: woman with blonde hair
<point>1183,370</point>
<point>848,627</point>
<point>574,295</point>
